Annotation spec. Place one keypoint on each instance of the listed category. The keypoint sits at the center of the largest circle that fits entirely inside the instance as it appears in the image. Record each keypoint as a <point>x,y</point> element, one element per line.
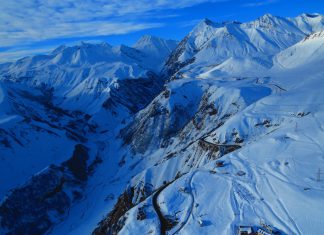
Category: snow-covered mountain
<point>83,75</point>
<point>210,45</point>
<point>221,130</point>
<point>156,50</point>
<point>303,53</point>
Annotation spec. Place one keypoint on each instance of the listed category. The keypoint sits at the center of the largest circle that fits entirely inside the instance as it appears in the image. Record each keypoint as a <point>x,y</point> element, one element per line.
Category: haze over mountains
<point>222,129</point>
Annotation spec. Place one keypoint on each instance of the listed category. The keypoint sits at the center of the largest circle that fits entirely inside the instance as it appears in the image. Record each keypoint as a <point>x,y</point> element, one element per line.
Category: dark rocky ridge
<point>46,197</point>
<point>134,94</point>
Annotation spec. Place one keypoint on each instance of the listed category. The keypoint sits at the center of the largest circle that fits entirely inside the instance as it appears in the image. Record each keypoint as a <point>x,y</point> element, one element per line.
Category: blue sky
<point>37,26</point>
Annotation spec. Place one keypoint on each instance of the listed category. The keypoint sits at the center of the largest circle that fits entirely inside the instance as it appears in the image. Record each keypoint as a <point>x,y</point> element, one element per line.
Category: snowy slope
<point>210,44</point>
<point>308,22</point>
<point>45,105</point>
<point>34,134</point>
<point>82,75</point>
<point>272,178</point>
<point>156,50</point>
<point>304,52</point>
<point>229,133</point>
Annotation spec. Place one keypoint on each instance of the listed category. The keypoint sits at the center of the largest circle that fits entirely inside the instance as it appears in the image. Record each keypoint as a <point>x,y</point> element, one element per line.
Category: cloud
<point>257,4</point>
<point>69,30</point>
<point>12,55</point>
<point>28,21</point>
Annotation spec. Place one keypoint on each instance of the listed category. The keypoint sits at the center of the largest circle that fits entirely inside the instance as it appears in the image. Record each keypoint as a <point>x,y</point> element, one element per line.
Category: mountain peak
<point>311,15</point>
<point>80,45</point>
<point>267,18</point>
<point>231,22</point>
<point>267,21</point>
<point>149,40</point>
<point>59,49</point>
<point>150,44</point>
<point>267,15</point>
<point>85,44</point>
<point>148,37</point>
<point>155,47</point>
<point>207,21</point>
<point>205,25</point>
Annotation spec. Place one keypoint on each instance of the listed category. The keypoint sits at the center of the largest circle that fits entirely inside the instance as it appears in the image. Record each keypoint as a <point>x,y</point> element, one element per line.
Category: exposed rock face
<point>173,65</point>
<point>114,222</point>
<point>184,111</point>
<point>77,164</point>
<point>134,94</point>
<point>31,208</point>
<point>46,197</point>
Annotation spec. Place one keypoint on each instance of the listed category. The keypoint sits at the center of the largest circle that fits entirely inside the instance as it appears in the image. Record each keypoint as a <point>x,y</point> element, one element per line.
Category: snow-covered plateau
<point>221,130</point>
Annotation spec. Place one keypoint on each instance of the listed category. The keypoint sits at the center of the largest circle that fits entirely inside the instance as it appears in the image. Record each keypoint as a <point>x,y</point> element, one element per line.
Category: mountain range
<point>220,130</point>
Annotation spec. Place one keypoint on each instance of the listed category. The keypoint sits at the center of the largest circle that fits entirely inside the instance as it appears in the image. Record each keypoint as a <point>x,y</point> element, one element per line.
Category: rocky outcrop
<point>131,197</point>
<point>77,164</point>
<point>31,208</point>
<point>46,197</point>
<point>134,94</point>
<point>173,64</point>
<point>114,221</point>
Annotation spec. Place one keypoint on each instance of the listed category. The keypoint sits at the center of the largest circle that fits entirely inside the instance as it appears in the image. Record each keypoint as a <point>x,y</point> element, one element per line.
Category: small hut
<point>244,230</point>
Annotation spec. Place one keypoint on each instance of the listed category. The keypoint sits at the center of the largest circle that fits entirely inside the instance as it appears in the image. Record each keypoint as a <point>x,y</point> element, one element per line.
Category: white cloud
<point>21,52</point>
<point>66,30</point>
<point>28,21</point>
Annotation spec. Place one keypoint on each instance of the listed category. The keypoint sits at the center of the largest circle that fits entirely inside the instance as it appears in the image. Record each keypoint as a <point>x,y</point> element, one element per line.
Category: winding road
<point>164,223</point>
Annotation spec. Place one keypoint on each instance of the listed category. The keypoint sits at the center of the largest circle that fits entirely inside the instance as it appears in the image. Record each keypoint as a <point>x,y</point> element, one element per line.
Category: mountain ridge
<point>221,130</point>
